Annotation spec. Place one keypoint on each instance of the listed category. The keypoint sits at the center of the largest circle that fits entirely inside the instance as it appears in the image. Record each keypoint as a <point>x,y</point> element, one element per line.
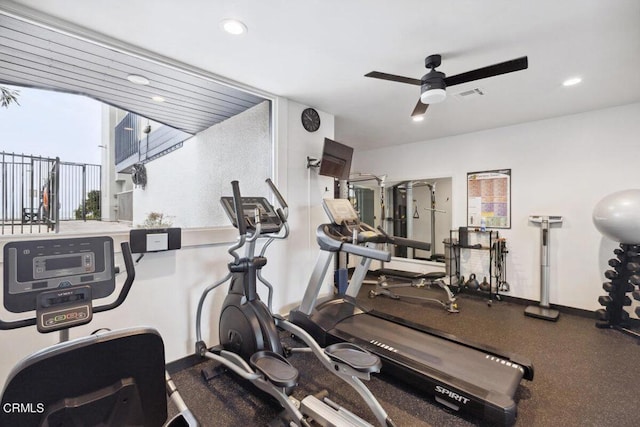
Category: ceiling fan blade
<point>490,71</point>
<point>420,109</point>
<point>394,78</point>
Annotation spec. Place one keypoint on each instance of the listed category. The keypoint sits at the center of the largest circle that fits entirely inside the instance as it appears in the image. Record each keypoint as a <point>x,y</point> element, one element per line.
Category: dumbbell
<point>612,274</point>
<point>601,314</point>
<point>634,279</point>
<point>636,295</point>
<point>605,300</point>
<point>633,266</point>
<point>612,287</point>
<point>613,262</point>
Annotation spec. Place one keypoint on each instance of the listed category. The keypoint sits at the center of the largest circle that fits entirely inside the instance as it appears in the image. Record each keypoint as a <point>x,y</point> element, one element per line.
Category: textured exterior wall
<point>186,185</point>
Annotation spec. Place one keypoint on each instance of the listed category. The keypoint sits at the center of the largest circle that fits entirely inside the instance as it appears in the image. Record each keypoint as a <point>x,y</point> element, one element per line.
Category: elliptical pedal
<point>355,357</point>
<point>275,368</point>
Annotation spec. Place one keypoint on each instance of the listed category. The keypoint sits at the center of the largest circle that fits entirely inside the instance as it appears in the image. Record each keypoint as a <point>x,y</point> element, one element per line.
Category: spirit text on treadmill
<point>452,395</point>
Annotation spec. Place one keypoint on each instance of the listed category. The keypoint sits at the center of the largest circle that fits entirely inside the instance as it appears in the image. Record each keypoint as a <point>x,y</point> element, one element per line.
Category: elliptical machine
<point>250,345</point>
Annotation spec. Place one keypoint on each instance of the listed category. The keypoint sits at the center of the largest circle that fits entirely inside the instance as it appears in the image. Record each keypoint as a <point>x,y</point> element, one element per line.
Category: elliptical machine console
<point>270,222</point>
<point>248,331</point>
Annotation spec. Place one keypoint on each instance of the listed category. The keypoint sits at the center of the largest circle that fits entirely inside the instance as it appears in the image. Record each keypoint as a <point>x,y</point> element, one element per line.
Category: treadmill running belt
<point>462,363</point>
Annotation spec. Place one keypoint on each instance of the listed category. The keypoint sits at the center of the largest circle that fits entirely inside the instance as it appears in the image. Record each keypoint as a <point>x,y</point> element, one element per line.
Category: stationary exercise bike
<point>250,344</point>
<point>111,379</point>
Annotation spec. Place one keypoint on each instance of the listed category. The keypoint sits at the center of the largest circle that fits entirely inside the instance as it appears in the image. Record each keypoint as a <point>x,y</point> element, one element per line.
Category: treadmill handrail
<point>403,241</point>
<point>366,252</point>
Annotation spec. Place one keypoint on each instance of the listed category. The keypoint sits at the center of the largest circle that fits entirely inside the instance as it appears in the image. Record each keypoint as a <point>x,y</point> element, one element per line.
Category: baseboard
<point>634,323</point>
<point>183,363</point>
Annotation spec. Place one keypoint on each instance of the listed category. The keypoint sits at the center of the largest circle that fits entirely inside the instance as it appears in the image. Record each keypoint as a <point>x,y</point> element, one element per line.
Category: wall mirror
<point>417,209</point>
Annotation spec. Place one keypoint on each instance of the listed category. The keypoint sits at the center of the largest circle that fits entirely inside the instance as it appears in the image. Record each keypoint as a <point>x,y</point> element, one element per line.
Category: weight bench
<point>415,280</point>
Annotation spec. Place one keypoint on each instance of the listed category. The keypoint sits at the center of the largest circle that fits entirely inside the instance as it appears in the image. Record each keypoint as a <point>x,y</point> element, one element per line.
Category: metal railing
<point>36,193</point>
<point>126,137</point>
<point>135,145</point>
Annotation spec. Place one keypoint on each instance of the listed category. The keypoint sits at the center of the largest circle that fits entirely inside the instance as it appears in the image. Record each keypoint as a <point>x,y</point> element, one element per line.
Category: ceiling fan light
<point>433,96</point>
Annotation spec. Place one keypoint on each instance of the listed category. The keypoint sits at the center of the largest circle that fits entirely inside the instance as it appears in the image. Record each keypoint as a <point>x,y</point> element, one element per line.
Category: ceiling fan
<point>434,83</point>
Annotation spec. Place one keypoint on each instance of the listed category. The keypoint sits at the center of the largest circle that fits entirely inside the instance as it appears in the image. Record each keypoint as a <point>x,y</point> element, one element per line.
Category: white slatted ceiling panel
<point>39,57</point>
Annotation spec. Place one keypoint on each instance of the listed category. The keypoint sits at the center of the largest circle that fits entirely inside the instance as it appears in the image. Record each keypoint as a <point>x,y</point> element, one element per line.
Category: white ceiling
<point>316,52</point>
<point>34,56</point>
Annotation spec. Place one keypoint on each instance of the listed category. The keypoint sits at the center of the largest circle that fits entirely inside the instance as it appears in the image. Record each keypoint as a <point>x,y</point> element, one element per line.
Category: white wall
<point>305,190</point>
<point>562,166</point>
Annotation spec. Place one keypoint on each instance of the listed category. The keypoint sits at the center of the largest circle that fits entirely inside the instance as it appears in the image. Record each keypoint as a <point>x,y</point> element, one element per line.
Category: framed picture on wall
<point>489,198</point>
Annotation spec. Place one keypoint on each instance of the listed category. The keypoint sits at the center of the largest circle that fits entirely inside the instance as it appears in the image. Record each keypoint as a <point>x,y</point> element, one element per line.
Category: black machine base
<point>540,312</point>
<point>461,375</point>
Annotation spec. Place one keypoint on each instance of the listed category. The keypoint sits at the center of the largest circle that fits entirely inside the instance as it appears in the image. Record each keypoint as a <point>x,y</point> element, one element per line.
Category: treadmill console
<point>341,212</point>
<point>32,267</point>
<point>269,220</point>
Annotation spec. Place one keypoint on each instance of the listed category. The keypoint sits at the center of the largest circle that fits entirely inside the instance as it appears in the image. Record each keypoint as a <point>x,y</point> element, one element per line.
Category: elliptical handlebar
<point>237,204</point>
<point>276,193</point>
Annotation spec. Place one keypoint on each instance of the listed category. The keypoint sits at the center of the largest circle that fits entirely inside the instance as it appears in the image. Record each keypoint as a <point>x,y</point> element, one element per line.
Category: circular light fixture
<point>433,96</point>
<point>157,98</point>
<point>137,79</point>
<point>417,118</point>
<point>233,26</point>
<point>572,81</point>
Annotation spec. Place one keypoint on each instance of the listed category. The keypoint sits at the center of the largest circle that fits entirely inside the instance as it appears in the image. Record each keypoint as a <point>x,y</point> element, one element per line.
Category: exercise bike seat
<point>355,357</point>
<point>275,368</point>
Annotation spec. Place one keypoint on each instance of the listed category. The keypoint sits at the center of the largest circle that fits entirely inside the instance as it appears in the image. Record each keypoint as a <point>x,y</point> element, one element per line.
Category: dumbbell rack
<point>623,279</point>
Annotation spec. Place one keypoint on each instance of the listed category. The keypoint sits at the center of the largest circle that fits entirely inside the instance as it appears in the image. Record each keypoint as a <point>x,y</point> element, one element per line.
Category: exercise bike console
<point>35,266</point>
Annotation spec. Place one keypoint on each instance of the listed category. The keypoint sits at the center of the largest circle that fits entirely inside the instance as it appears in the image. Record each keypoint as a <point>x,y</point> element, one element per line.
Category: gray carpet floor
<point>584,376</point>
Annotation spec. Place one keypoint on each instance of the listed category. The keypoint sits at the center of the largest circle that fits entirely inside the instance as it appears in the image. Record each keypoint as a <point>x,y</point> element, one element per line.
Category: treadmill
<point>461,375</point>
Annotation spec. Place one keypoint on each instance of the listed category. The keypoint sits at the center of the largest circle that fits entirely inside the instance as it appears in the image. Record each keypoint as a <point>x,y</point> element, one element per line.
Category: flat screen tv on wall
<point>336,160</point>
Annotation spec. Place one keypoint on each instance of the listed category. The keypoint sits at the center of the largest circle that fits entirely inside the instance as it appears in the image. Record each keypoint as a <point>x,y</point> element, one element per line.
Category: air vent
<point>471,93</point>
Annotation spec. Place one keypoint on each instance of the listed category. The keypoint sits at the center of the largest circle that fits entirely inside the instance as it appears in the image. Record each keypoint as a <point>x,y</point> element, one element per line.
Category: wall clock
<point>310,120</point>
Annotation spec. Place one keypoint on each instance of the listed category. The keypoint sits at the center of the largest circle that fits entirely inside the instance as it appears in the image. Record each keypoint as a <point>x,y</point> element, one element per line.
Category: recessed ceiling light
<point>157,98</point>
<point>137,79</point>
<point>233,26</point>
<point>572,81</point>
<point>418,118</point>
